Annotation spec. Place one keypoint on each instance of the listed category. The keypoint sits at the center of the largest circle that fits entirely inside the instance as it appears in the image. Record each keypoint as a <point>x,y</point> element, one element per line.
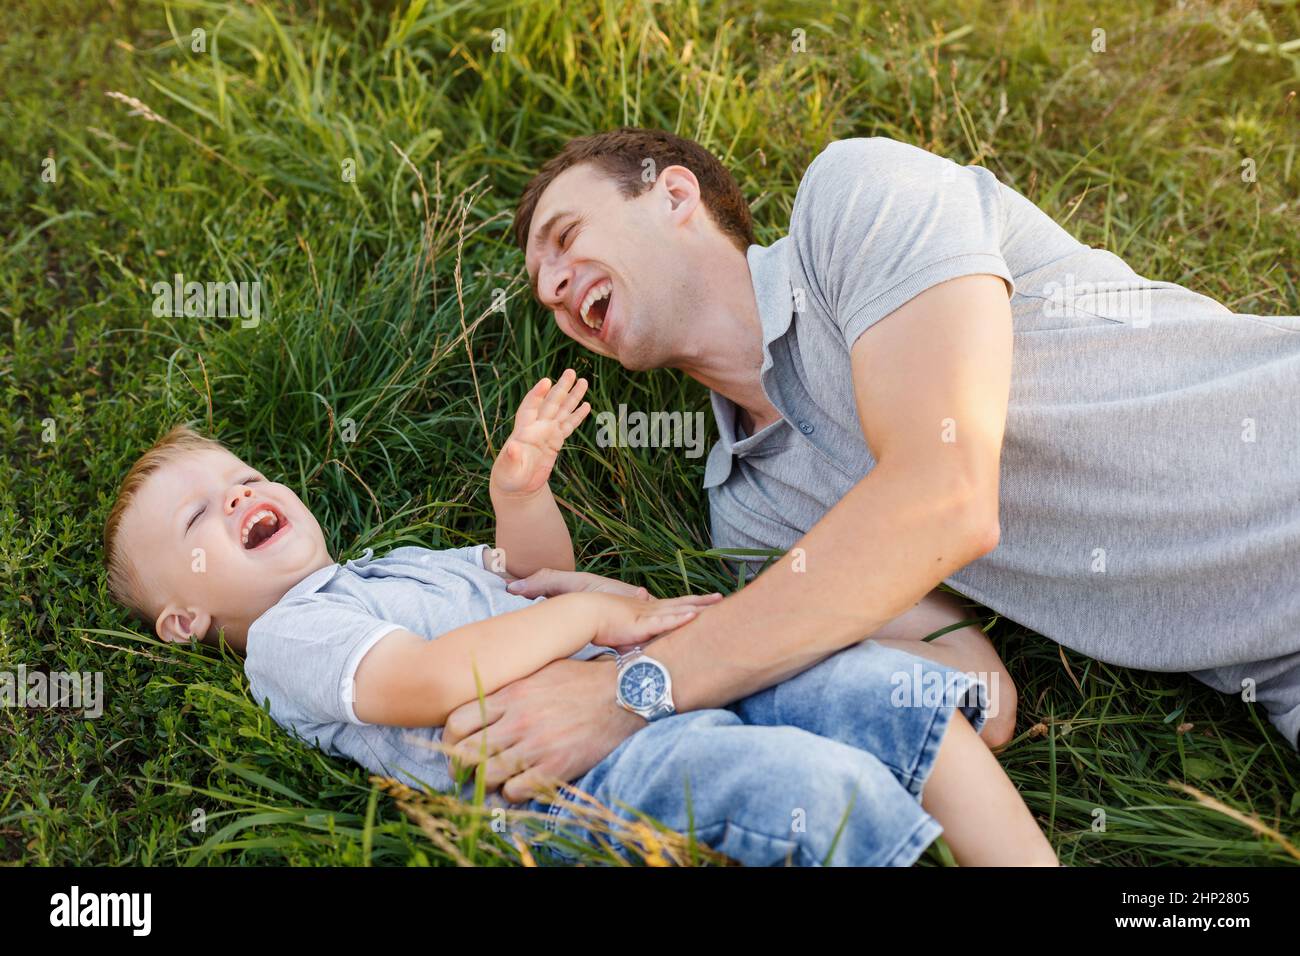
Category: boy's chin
<point>290,559</point>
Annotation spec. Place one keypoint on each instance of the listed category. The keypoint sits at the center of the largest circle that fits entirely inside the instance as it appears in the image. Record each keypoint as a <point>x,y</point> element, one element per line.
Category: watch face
<point>643,684</point>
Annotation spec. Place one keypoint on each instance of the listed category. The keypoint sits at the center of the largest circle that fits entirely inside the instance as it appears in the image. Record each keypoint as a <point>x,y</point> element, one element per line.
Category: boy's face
<point>217,544</point>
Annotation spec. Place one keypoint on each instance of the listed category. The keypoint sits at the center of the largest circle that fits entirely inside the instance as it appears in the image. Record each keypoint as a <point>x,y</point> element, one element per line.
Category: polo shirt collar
<point>769,272</point>
<point>312,582</point>
<point>322,576</point>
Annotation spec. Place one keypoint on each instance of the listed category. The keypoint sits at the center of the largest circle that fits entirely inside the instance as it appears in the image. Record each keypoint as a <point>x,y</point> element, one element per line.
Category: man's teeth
<point>256,519</point>
<point>597,293</point>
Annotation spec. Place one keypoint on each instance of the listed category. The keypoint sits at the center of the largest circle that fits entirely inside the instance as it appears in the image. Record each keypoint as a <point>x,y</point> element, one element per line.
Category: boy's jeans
<point>823,769</point>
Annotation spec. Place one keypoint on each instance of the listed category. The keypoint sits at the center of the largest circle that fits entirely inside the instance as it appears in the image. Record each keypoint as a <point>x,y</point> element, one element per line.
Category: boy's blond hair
<point>124,582</point>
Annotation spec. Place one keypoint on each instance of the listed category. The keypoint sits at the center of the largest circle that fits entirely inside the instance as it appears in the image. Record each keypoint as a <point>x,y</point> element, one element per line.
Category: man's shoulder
<point>863,180</point>
<point>862,153</point>
<point>866,146</point>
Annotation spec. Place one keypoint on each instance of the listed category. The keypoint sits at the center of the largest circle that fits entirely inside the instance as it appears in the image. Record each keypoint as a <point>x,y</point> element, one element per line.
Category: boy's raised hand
<point>548,414</point>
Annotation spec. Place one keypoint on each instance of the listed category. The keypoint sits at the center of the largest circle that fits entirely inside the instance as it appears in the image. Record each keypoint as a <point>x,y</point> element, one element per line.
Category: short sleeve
<point>473,554</point>
<point>1274,683</point>
<point>303,655</point>
<point>876,222</point>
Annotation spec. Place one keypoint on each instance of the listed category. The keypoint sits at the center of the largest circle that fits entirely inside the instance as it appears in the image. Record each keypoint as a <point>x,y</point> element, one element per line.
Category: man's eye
<point>249,481</point>
<point>564,237</point>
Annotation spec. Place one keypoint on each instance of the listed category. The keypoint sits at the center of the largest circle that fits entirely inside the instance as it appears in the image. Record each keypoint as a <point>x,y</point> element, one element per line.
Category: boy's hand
<point>548,415</point>
<point>628,621</point>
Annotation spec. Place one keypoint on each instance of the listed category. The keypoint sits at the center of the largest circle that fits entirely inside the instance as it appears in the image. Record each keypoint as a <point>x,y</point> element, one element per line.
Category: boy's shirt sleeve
<point>303,656</point>
<point>876,222</point>
<point>474,554</point>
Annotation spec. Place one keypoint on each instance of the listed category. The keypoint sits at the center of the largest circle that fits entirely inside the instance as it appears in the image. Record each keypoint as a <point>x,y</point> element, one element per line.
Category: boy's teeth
<point>256,519</point>
<point>601,291</point>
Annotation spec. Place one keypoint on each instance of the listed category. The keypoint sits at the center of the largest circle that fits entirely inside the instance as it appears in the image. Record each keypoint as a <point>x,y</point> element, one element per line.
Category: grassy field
<point>376,308</point>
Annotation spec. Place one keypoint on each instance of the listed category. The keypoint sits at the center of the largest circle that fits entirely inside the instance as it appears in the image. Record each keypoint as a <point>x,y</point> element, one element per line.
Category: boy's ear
<point>177,624</point>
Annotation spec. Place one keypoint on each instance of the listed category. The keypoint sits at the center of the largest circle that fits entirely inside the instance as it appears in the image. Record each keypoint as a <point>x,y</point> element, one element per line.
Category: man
<point>927,380</point>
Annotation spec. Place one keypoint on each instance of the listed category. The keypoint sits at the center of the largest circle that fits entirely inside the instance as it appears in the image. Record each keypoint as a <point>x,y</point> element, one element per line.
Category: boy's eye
<point>195,518</point>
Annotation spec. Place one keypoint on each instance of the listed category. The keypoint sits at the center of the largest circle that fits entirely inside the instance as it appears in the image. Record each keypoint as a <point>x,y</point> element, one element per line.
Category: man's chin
<point>643,362</point>
<point>634,364</point>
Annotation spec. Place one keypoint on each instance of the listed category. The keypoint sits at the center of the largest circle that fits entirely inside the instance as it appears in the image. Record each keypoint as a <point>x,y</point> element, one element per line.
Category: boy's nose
<point>232,499</point>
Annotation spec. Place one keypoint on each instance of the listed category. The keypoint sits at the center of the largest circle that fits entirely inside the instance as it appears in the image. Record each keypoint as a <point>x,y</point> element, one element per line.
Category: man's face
<point>207,531</point>
<point>586,238</point>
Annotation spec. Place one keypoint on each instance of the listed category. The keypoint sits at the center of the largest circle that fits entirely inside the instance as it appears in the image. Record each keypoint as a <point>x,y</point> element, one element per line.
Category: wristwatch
<point>644,685</point>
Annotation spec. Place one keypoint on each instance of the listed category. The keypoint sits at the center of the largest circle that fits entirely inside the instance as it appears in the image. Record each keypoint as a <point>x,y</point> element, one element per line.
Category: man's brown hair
<point>124,581</point>
<point>621,154</point>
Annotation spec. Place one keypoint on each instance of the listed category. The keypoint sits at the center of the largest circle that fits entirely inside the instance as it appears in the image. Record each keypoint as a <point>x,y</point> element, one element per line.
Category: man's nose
<point>555,289</point>
<point>235,495</point>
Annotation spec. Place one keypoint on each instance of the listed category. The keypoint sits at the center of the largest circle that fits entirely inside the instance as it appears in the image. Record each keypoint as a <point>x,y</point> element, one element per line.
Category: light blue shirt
<point>302,654</point>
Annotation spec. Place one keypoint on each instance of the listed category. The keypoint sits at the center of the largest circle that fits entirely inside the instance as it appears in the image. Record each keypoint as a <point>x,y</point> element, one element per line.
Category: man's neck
<point>725,352</point>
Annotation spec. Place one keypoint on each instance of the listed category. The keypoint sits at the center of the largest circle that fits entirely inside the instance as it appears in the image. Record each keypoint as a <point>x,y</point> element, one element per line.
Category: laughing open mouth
<point>261,525</point>
<point>596,305</point>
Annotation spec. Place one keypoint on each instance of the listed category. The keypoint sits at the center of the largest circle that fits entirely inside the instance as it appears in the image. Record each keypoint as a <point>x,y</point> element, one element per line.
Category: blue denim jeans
<point>826,768</point>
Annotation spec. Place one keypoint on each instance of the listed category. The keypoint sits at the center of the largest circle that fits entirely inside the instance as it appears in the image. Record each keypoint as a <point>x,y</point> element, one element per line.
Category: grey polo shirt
<point>1150,471</point>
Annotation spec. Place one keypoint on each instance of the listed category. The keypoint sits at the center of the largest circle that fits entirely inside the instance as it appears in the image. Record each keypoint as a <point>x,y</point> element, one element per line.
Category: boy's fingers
<point>574,420</point>
<point>559,391</point>
<point>528,408</point>
<point>690,600</point>
<point>574,397</point>
<point>658,623</point>
<point>671,623</point>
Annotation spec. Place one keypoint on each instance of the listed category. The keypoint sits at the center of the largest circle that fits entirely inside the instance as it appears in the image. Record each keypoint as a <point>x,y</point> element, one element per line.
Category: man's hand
<point>549,582</point>
<point>546,417</point>
<point>548,728</point>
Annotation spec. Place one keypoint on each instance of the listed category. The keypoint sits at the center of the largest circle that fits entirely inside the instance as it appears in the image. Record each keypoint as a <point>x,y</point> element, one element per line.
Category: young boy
<point>368,658</point>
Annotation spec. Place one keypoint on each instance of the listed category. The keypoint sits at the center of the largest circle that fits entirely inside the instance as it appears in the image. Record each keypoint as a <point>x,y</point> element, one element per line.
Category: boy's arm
<point>531,533</point>
<point>407,681</point>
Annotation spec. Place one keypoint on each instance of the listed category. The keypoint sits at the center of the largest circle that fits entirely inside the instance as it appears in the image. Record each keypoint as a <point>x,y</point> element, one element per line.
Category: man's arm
<point>932,382</point>
<point>938,367</point>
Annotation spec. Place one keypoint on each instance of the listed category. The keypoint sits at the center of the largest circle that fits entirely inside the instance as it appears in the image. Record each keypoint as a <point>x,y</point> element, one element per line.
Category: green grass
<point>375,312</point>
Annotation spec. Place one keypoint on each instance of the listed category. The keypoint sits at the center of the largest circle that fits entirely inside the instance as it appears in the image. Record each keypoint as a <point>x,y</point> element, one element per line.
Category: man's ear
<point>683,190</point>
<point>177,624</point>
